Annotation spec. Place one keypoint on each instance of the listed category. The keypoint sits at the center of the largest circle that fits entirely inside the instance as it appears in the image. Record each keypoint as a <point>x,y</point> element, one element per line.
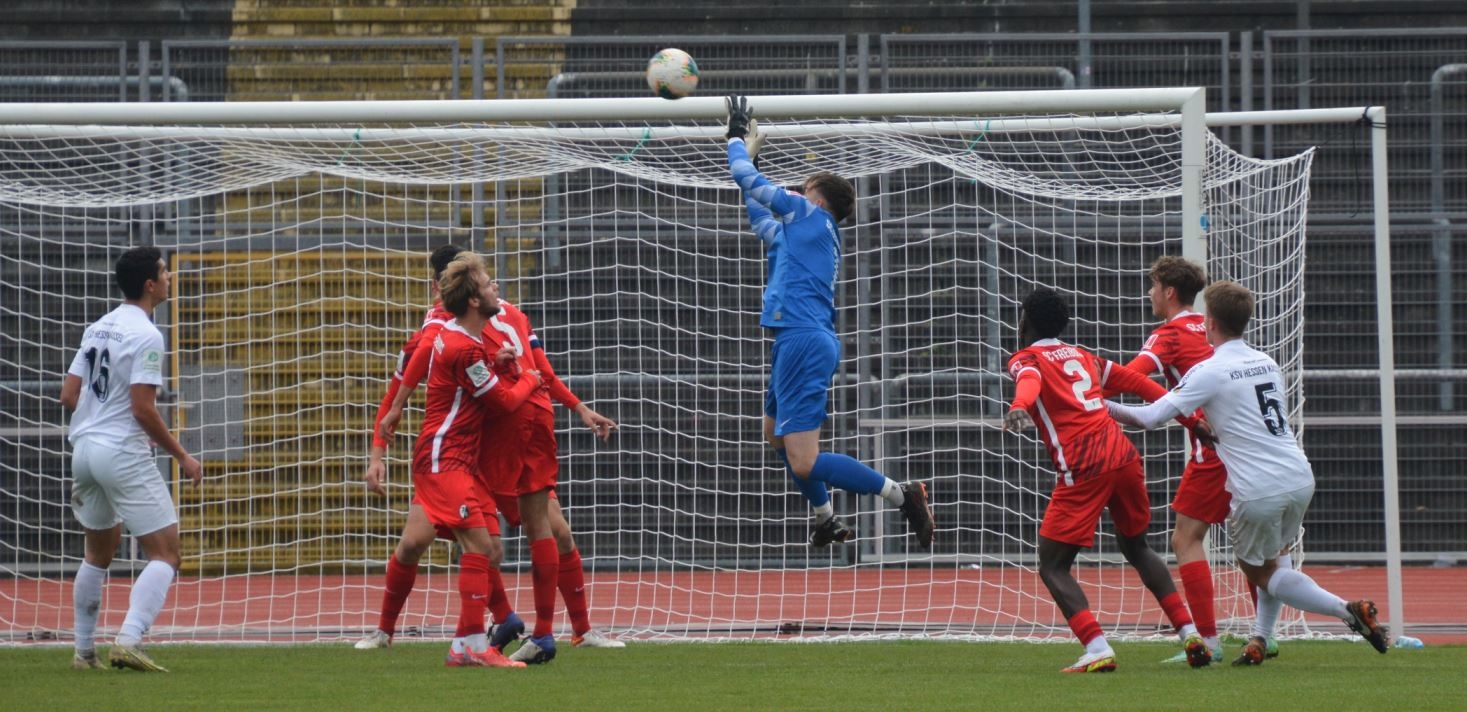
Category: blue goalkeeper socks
<point>847,473</point>
<point>814,490</point>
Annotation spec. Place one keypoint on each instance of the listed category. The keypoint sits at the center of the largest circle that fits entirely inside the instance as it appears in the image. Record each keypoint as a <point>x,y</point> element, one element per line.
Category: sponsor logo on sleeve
<point>153,362</point>
<point>479,373</point>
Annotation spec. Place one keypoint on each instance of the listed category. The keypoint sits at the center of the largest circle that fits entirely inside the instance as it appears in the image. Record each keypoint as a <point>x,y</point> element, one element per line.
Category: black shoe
<point>1253,652</point>
<point>1363,621</point>
<point>918,514</point>
<point>829,532</point>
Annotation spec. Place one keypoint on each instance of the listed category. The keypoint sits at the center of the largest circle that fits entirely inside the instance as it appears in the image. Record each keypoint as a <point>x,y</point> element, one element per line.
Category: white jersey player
<point>1242,393</point>
<point>111,389</point>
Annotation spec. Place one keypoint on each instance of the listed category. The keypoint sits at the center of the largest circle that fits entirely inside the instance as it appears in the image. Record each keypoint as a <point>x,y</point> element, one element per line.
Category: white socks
<point>1097,645</point>
<point>86,599</point>
<point>1269,606</point>
<point>1267,616</point>
<point>1298,590</point>
<point>823,513</point>
<point>892,493</point>
<point>149,592</point>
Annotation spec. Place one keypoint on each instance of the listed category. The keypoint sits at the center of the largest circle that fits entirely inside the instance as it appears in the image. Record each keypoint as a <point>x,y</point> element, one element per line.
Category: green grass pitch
<point>1309,675</point>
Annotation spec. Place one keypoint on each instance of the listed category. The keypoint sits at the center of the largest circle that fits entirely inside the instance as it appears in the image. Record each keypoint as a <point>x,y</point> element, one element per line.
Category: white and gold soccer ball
<point>672,73</point>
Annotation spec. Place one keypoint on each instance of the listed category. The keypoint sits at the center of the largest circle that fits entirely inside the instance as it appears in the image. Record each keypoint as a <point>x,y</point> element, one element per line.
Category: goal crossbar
<point>601,109</point>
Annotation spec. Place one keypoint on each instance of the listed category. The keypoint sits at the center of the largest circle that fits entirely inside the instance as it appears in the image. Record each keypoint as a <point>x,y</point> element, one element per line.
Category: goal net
<point>300,259</point>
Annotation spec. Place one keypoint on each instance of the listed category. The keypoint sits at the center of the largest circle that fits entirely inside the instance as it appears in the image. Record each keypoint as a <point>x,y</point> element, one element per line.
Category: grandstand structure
<point>533,52</point>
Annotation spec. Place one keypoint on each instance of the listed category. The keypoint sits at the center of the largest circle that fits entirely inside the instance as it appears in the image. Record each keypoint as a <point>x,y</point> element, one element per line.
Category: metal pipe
<point>1084,59</point>
<point>607,109</point>
<point>167,85</point>
<point>1441,235</point>
<point>1066,77</point>
<point>1385,336</point>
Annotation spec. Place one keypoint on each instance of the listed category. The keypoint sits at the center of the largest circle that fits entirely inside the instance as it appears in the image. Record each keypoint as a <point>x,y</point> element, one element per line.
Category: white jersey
<point>117,352</point>
<point>1242,393</point>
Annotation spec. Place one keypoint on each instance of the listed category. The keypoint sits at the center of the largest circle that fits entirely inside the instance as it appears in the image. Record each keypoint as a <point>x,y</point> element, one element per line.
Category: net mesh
<point>300,254</point>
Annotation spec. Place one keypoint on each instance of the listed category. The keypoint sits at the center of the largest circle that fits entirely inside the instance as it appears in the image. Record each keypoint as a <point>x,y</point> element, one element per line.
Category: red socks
<point>544,570</point>
<point>572,585</point>
<point>473,593</point>
<point>1085,627</point>
<point>1197,584</point>
<point>1176,610</point>
<point>498,599</point>
<point>396,589</point>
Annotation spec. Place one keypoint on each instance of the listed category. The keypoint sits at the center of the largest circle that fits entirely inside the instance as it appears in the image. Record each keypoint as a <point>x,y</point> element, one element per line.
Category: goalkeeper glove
<point>739,116</point>
<point>754,141</point>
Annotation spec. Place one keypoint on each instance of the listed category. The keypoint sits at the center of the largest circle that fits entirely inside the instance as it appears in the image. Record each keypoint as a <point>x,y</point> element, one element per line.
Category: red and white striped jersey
<point>1173,349</point>
<point>1069,410</point>
<point>463,388</point>
<point>434,320</point>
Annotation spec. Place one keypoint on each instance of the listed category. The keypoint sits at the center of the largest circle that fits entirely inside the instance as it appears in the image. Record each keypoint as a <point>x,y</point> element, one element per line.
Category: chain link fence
<point>1419,74</point>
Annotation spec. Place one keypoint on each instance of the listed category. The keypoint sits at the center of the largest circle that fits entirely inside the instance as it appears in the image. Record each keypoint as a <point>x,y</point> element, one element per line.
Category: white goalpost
<point>299,235</point>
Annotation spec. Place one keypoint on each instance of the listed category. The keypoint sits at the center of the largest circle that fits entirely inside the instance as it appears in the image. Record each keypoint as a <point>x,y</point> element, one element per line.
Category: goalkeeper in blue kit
<point>803,248</point>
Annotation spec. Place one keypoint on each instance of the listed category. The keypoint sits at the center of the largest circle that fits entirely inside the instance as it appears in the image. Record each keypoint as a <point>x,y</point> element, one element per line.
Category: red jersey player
<point>1096,468</point>
<point>1202,498</point>
<point>523,475</point>
<point>402,567</point>
<point>462,390</point>
<point>417,536</point>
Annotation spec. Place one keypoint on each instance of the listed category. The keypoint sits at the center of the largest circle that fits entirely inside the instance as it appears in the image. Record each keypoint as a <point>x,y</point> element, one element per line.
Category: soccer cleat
<point>90,661</point>
<point>132,656</point>
<point>1253,652</point>
<point>829,532</point>
<point>489,657</point>
<point>1271,650</point>
<point>918,514</point>
<point>593,639</point>
<point>1198,656</point>
<point>374,640</point>
<point>1362,620</point>
<point>507,632</point>
<point>1181,657</point>
<point>536,650</point>
<point>1104,661</point>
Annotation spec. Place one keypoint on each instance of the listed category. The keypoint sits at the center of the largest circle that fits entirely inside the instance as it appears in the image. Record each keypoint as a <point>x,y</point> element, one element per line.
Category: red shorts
<point>451,500</point>
<point>1074,511</point>
<point>486,507</point>
<point>1203,493</point>
<point>509,505</point>
<point>519,455</point>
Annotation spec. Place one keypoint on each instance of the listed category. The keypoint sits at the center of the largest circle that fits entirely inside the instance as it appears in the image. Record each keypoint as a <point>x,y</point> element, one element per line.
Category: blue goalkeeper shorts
<point>804,361</point>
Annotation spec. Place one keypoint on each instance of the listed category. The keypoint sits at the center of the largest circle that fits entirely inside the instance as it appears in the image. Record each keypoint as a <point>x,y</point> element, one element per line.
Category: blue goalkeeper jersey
<point>802,245</point>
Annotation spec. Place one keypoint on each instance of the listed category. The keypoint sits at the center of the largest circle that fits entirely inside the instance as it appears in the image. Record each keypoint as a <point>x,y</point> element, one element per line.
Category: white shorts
<point>1259,529</point>
<point>112,486</point>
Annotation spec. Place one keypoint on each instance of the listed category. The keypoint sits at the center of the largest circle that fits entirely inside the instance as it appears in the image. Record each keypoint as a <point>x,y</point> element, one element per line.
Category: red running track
<point>737,604</point>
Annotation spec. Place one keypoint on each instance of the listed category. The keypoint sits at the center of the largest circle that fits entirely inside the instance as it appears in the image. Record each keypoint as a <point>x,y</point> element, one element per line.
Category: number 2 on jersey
<point>1083,382</point>
<point>99,367</point>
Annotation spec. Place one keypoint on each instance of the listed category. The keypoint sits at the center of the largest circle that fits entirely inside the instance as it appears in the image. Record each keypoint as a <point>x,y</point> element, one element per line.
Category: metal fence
<point>310,69</point>
<point>1420,75</point>
<point>616,66</point>
<point>65,71</point>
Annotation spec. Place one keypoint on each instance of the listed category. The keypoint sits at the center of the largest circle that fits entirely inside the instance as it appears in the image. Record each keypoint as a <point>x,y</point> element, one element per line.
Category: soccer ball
<point>672,74</point>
